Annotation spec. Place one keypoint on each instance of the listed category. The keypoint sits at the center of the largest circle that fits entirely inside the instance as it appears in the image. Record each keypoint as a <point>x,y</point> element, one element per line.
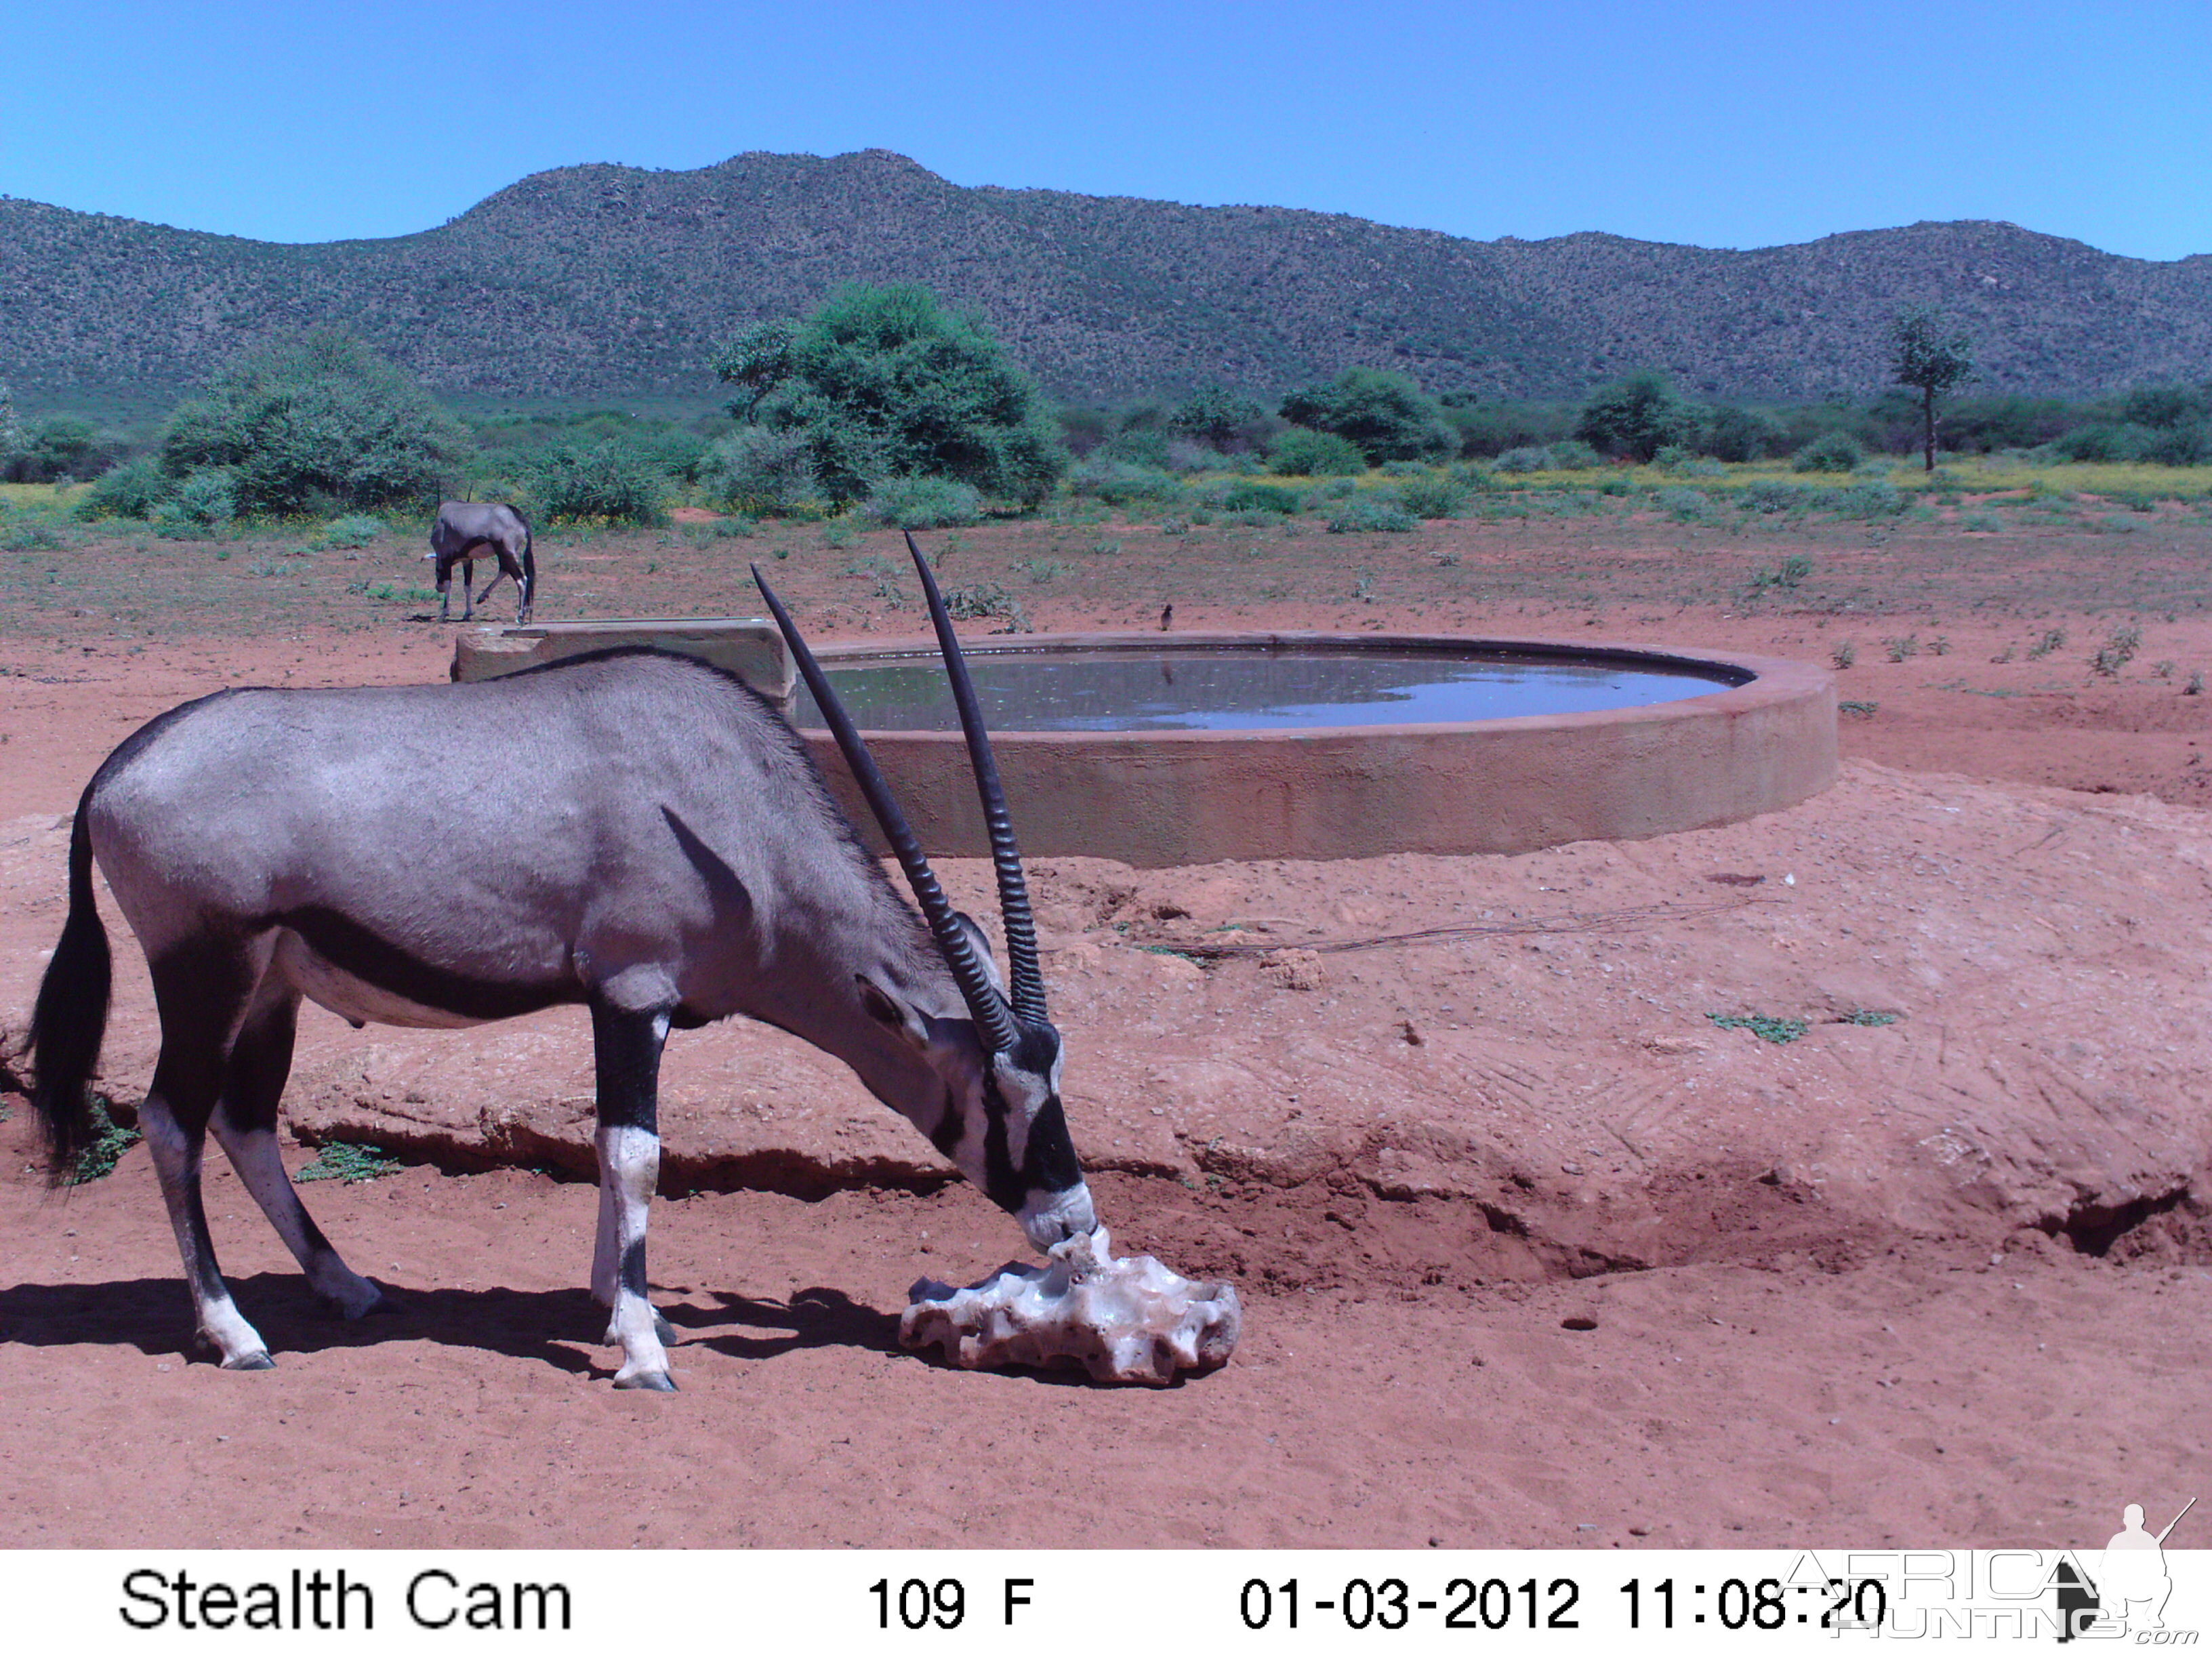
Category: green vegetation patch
<point>340,1160</point>
<point>100,1157</point>
<point>1767,1028</point>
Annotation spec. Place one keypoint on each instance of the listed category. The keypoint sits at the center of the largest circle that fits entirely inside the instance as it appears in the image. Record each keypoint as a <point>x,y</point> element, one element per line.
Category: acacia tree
<point>885,383</point>
<point>1639,417</point>
<point>1217,415</point>
<point>1923,356</point>
<point>1385,413</point>
<point>314,421</point>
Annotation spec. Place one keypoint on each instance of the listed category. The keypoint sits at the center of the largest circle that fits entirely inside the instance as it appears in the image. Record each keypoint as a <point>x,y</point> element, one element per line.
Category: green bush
<point>1118,483</point>
<point>1529,458</point>
<point>1683,505</point>
<point>1385,414</point>
<point>2165,405</point>
<point>1254,497</point>
<point>2179,445</point>
<point>924,503</point>
<point>354,529</point>
<point>1870,498</point>
<point>1190,455</point>
<point>134,489</point>
<point>1774,495</point>
<point>1493,429</point>
<point>607,483</point>
<point>1219,417</point>
<point>1734,433</point>
<point>759,472</point>
<point>204,501</point>
<point>1372,513</point>
<point>1638,416</point>
<point>63,448</point>
<point>1141,434</point>
<point>1302,453</point>
<point>885,383</point>
<point>314,423</point>
<point>1573,455</point>
<point>1832,451</point>
<point>1436,496</point>
<point>1986,425</point>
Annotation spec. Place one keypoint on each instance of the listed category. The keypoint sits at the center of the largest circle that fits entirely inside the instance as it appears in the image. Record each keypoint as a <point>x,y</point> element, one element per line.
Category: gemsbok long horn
<point>1024,976</point>
<point>992,1015</point>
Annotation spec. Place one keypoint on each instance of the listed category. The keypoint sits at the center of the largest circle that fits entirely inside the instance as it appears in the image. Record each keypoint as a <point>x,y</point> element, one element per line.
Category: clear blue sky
<point>1727,125</point>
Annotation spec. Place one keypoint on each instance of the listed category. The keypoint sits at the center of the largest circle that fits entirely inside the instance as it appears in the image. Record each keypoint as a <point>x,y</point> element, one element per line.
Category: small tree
<point>11,434</point>
<point>758,361</point>
<point>1386,414</point>
<point>1922,356</point>
<point>315,422</point>
<point>62,447</point>
<point>1215,416</point>
<point>1300,451</point>
<point>1638,416</point>
<point>761,472</point>
<point>886,383</point>
<point>610,481</point>
<point>1737,433</point>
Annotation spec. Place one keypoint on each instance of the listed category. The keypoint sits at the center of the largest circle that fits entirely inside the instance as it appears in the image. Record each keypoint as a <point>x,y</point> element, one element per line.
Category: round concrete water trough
<point>1761,738</point>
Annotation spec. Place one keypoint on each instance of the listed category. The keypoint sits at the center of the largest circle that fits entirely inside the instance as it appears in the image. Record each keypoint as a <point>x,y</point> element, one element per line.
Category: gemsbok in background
<point>462,530</point>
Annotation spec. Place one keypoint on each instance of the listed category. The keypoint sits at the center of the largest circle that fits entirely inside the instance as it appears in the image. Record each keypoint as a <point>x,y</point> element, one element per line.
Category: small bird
<point>1167,616</point>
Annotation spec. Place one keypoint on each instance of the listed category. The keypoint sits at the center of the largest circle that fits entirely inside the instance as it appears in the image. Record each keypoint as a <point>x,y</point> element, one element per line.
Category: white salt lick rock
<point>1125,1321</point>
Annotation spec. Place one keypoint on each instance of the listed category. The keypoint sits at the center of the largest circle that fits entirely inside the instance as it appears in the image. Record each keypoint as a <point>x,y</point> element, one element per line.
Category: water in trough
<point>1217,688</point>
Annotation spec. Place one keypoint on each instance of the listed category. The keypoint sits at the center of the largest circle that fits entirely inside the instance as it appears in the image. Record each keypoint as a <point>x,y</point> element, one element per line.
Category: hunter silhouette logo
<point>2130,1585</point>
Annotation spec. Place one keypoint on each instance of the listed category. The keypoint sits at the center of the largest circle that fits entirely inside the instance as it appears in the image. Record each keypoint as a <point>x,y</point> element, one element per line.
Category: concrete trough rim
<point>1157,798</point>
<point>1766,681</point>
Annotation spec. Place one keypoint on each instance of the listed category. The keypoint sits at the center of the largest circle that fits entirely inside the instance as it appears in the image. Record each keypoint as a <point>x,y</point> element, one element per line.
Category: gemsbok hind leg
<point>246,1124</point>
<point>201,992</point>
<point>501,567</point>
<point>626,1050</point>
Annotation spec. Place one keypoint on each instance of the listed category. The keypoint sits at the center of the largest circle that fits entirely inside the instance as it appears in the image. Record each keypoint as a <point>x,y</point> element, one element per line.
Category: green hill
<point>608,281</point>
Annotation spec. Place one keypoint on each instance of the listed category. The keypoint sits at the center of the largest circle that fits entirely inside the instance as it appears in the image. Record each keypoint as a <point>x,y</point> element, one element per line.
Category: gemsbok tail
<point>71,1012</point>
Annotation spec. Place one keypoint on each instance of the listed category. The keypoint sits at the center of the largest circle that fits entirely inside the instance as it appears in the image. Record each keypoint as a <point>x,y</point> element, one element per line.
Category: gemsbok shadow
<point>543,1327</point>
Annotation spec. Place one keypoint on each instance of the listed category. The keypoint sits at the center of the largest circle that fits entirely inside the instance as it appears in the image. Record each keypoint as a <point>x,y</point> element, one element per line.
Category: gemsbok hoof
<point>250,1362</point>
<point>379,1302</point>
<point>654,1381</point>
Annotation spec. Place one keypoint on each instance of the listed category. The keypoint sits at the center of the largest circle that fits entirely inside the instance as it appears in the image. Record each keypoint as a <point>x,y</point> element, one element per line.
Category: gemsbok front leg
<point>246,1125</point>
<point>626,1047</point>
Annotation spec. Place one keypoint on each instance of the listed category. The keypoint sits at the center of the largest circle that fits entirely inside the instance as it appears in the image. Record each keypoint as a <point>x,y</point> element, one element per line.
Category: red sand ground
<point>1846,1290</point>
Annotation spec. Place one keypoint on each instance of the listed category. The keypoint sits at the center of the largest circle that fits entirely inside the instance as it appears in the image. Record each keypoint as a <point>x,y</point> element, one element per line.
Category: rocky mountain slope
<point>606,281</point>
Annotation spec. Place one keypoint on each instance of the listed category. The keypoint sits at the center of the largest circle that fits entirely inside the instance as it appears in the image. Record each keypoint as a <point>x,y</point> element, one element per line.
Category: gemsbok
<point>462,530</point>
<point>679,860</point>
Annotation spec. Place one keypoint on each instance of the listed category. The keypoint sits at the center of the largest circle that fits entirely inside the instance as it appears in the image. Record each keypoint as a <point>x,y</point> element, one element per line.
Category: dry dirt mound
<point>1445,1070</point>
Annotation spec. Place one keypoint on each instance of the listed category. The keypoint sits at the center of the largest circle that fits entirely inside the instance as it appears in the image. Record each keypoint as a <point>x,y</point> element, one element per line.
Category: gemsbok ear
<point>892,1014</point>
<point>980,942</point>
